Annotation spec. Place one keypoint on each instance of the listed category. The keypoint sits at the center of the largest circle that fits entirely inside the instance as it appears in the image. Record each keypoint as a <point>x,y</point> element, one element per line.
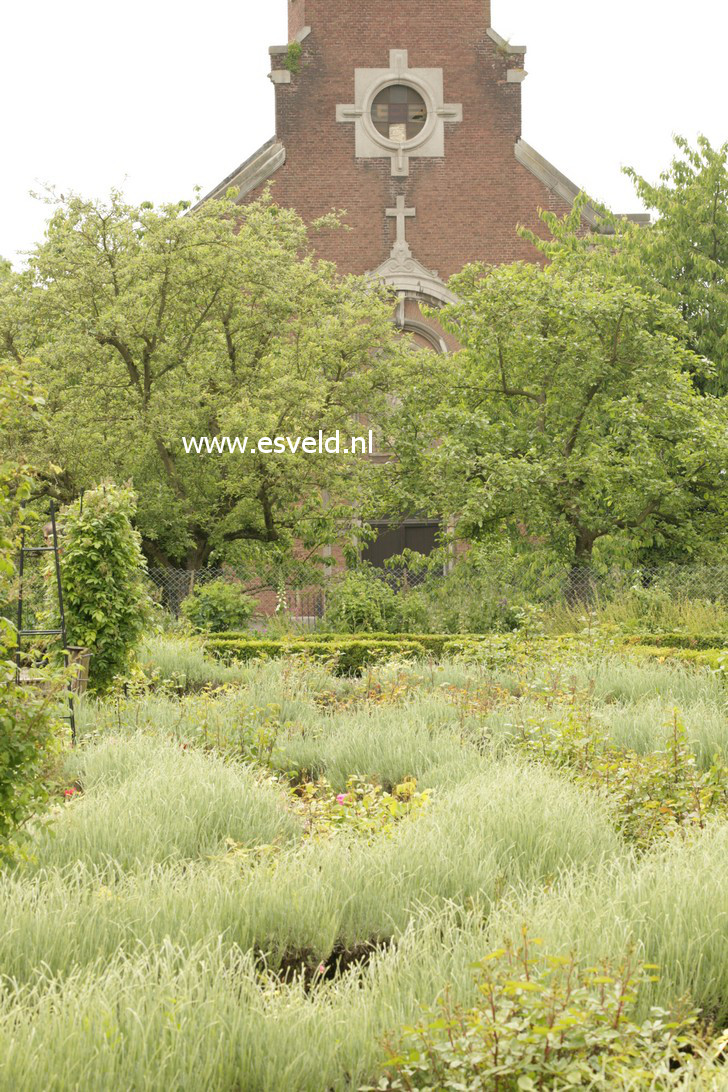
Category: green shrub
<point>220,606</point>
<point>655,795</point>
<point>546,1023</point>
<point>364,809</point>
<point>487,590</point>
<point>362,603</point>
<point>714,659</point>
<point>103,572</point>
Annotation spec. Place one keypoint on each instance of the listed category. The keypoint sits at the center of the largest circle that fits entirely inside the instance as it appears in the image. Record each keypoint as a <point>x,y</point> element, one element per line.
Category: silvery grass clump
<point>145,800</point>
<point>507,826</point>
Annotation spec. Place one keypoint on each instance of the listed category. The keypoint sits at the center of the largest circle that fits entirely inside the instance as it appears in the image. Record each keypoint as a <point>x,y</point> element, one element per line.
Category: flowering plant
<point>365,808</point>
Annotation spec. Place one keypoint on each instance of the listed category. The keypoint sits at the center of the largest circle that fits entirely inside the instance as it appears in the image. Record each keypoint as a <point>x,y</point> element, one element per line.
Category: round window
<point>399,113</point>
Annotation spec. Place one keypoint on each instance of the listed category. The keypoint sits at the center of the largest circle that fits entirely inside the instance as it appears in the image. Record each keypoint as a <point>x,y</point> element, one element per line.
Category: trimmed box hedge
<point>714,658</point>
<point>437,644</point>
<point>351,655</point>
<point>699,642</point>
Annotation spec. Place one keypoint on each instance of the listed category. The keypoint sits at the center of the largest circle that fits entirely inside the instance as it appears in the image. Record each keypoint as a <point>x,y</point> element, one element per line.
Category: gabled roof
<point>254,171</point>
<point>562,186</point>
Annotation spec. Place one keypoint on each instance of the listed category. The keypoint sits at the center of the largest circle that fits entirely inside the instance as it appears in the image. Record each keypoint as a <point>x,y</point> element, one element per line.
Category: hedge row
<point>351,654</point>
<point>435,643</point>
<point>699,643</point>
<point>714,658</point>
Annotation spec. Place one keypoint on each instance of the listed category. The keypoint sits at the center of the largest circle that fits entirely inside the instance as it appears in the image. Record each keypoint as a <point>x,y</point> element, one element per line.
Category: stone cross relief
<point>401,250</point>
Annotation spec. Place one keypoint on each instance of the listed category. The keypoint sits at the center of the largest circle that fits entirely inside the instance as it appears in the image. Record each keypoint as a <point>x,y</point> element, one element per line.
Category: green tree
<point>155,324</point>
<point>569,419</point>
<point>682,256</point>
<point>686,249</point>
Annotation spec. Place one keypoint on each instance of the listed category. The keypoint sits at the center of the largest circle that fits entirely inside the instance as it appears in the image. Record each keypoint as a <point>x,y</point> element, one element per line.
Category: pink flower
<point>70,792</point>
<point>341,798</point>
<point>320,969</point>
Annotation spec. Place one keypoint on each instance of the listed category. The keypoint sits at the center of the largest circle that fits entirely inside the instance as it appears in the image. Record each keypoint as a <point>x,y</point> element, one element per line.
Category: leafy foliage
<point>364,809</point>
<point>656,795</point>
<point>543,1022</point>
<point>28,728</point>
<point>155,325</point>
<point>568,420</point>
<point>686,249</point>
<point>292,60</point>
<point>220,606</point>
<point>362,602</point>
<point>102,569</point>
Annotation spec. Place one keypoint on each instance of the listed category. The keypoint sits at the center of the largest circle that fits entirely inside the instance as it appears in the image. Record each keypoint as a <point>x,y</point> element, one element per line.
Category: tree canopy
<point>569,419</point>
<point>153,324</point>
<point>686,249</point>
<point>682,256</point>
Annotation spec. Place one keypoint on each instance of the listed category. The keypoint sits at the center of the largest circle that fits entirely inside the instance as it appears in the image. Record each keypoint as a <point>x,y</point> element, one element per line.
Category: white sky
<point>159,96</point>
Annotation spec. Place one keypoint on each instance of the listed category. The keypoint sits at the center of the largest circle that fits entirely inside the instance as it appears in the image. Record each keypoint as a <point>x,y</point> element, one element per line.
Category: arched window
<point>399,113</point>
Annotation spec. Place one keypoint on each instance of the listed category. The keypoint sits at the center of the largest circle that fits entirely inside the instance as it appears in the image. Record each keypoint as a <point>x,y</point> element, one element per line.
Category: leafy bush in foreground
<point>363,603</point>
<point>545,1023</point>
<point>220,606</point>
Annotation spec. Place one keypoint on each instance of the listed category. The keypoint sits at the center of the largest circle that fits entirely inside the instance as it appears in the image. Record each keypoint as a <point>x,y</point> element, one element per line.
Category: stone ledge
<point>277,50</point>
<point>552,178</point>
<point>564,188</point>
<point>516,75</point>
<point>503,44</point>
<point>280,75</point>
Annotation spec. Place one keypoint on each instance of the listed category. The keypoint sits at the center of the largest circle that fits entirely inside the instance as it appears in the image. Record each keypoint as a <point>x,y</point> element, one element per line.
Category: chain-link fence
<point>298,595</point>
<point>301,595</point>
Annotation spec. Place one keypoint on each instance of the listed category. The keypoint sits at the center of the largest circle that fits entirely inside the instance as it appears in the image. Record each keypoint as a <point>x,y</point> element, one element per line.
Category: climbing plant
<point>103,580</point>
<point>28,728</point>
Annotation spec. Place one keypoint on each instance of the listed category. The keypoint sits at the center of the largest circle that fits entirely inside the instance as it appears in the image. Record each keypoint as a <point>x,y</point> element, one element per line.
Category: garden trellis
<point>60,631</point>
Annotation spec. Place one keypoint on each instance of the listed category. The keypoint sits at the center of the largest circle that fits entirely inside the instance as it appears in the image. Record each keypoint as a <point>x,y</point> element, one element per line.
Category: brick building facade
<point>408,116</point>
<point>419,208</point>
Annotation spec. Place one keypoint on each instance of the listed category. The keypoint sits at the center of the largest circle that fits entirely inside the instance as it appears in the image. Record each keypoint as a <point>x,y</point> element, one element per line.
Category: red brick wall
<point>470,202</point>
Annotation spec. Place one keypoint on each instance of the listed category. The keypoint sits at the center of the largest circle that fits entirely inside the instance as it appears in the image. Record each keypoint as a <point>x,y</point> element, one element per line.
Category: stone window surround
<point>428,82</point>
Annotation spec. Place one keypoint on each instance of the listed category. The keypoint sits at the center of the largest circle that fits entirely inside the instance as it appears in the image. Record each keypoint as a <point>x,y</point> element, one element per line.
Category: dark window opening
<point>421,536</point>
<point>399,113</point>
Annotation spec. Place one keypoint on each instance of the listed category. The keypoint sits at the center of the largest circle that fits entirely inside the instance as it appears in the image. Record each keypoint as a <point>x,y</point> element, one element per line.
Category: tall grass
<point>182,662</point>
<point>208,1019</point>
<point>206,1016</point>
<point>670,909</point>
<point>383,744</point>
<point>167,929</point>
<point>507,826</point>
<point>148,801</point>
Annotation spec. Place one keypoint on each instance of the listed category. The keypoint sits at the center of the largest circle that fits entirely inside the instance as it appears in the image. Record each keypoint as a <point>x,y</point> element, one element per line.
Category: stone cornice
<point>502,44</point>
<point>563,187</point>
<point>252,173</point>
